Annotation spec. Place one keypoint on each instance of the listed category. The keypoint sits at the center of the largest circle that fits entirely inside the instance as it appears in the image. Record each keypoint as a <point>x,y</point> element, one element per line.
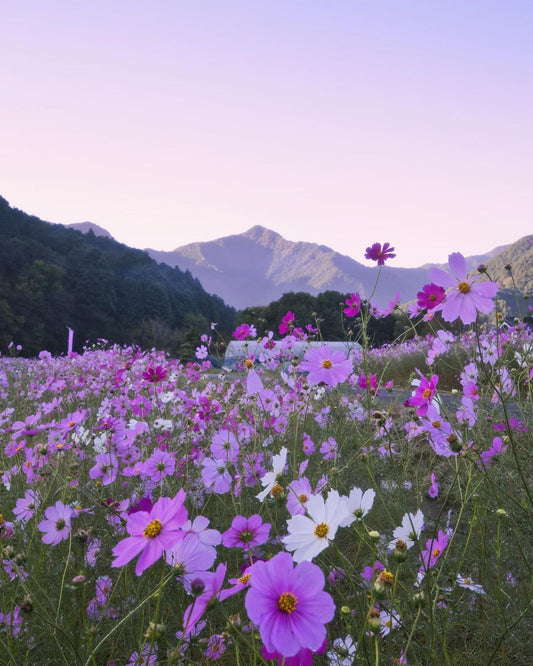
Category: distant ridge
<point>259,266</point>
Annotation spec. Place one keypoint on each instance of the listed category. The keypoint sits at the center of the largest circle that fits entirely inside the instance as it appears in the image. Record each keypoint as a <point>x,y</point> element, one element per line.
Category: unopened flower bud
<point>78,580</point>
<point>400,551</point>
<point>501,513</point>
<point>374,620</point>
<point>197,586</point>
<point>345,610</point>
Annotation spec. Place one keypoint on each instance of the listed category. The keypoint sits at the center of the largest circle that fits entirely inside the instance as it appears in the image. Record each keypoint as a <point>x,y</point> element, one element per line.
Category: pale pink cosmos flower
<point>152,532</point>
<point>325,365</point>
<point>465,296</point>
<point>56,527</point>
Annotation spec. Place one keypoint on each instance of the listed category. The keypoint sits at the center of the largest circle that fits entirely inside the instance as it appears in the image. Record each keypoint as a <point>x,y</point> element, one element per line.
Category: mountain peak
<point>261,235</point>
<point>85,227</point>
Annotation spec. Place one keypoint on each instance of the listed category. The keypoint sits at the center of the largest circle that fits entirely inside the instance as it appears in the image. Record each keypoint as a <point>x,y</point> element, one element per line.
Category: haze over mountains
<point>259,266</point>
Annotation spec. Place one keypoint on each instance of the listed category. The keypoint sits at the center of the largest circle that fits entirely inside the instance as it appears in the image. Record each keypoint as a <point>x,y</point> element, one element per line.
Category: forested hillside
<point>53,277</point>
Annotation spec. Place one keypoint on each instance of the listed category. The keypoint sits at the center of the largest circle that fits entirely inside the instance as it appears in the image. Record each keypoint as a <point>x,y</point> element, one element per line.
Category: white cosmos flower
<point>343,652</point>
<point>466,582</point>
<point>409,530</point>
<point>359,504</point>
<point>271,478</point>
<point>309,535</point>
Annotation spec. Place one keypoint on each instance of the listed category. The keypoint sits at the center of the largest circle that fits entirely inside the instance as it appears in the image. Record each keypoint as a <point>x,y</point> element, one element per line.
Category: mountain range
<point>259,266</point>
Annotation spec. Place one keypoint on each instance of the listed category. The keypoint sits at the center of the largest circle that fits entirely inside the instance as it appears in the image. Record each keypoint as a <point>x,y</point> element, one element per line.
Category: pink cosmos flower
<point>302,658</point>
<point>152,532</point>
<point>215,474</point>
<point>380,254</point>
<point>56,527</point>
<point>212,585</point>
<point>496,449</point>
<point>423,394</point>
<point>287,323</point>
<point>328,449</point>
<point>289,605</point>
<point>246,532</point>
<point>25,506</point>
<point>159,465</point>
<point>308,445</point>
<point>430,296</point>
<point>353,305</point>
<point>434,487</point>
<point>465,297</point>
<point>434,549</point>
<point>224,446</point>
<point>367,382</point>
<point>190,558</point>
<point>326,365</point>
<point>154,375</point>
<point>298,494</point>
<point>244,331</point>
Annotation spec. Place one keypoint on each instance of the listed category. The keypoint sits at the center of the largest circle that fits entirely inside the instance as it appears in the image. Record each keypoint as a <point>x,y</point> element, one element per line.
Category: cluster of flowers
<point>150,423</point>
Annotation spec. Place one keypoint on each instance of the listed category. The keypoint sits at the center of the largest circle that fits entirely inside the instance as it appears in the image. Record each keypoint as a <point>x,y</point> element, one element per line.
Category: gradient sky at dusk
<point>341,123</point>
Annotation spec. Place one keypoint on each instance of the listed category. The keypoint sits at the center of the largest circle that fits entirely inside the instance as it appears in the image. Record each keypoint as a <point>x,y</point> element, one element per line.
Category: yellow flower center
<point>436,424</point>
<point>467,581</point>
<point>153,528</point>
<point>276,490</point>
<point>244,579</point>
<point>249,364</point>
<point>321,530</point>
<point>326,363</point>
<point>426,394</point>
<point>436,552</point>
<point>463,287</point>
<point>287,602</point>
<point>303,497</point>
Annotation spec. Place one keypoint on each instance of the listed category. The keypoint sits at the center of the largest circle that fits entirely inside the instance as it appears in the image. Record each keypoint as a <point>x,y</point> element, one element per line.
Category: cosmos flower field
<point>310,510</point>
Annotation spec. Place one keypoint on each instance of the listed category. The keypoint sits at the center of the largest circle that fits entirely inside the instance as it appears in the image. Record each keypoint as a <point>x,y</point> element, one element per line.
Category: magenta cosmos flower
<point>464,296</point>
<point>430,296</point>
<point>353,305</point>
<point>326,365</point>
<point>289,605</point>
<point>152,532</point>
<point>154,375</point>
<point>56,527</point>
<point>380,254</point>
<point>246,532</point>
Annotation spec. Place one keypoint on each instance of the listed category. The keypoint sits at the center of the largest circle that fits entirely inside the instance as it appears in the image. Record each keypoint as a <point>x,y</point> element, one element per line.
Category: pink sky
<point>341,123</point>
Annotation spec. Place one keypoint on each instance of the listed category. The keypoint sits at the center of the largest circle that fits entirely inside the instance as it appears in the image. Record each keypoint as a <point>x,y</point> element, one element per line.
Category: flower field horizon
<point>295,511</point>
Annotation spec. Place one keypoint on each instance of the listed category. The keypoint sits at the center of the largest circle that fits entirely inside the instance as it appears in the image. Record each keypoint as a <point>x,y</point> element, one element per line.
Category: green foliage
<point>53,277</point>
